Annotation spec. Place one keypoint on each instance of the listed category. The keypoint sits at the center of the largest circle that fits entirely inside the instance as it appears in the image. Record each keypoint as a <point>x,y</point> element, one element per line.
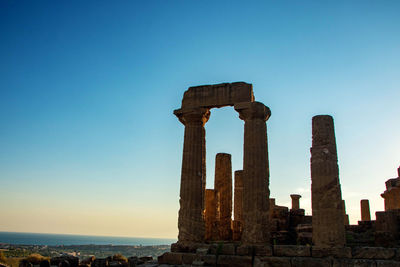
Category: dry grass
<point>36,258</point>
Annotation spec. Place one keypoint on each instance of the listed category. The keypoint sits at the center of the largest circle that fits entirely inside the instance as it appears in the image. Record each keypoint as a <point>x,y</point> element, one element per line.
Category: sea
<point>67,239</point>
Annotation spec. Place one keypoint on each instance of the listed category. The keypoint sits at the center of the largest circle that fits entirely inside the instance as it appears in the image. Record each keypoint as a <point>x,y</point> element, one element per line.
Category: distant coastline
<point>19,238</point>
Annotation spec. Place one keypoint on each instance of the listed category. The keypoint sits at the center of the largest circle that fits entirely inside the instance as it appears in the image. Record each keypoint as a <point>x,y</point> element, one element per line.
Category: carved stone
<point>365,213</point>
<point>223,185</point>
<point>295,201</point>
<point>327,210</point>
<point>218,95</point>
<point>193,175</point>
<point>392,193</point>
<point>255,173</point>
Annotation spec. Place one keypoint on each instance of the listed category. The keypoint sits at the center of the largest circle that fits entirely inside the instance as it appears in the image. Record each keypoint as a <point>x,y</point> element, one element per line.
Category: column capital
<point>193,115</point>
<point>252,111</point>
<point>295,196</point>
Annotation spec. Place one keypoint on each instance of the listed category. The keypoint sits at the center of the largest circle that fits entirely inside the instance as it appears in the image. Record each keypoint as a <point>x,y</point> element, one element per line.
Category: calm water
<point>58,239</point>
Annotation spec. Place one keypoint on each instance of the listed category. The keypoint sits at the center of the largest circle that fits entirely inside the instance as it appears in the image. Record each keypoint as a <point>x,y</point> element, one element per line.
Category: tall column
<point>255,173</point>
<point>238,194</point>
<point>238,206</point>
<point>327,211</point>
<point>210,214</point>
<point>193,175</point>
<point>365,213</point>
<point>295,201</point>
<point>223,185</point>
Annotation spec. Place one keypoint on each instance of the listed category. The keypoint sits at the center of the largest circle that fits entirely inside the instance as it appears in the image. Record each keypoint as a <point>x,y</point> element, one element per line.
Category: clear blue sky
<point>88,141</point>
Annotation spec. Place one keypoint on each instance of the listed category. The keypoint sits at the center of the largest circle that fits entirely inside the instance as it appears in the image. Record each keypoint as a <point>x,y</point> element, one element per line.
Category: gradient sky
<point>88,141</point>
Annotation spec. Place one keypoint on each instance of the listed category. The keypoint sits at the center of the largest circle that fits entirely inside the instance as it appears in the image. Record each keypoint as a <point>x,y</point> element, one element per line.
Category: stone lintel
<point>218,95</point>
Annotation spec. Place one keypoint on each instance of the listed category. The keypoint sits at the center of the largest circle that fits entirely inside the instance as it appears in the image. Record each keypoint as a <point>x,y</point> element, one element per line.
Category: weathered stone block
<point>292,251</point>
<point>198,263</point>
<point>228,249</point>
<point>170,258</point>
<point>244,250</point>
<point>310,262</point>
<point>223,249</point>
<point>209,259</point>
<point>262,250</point>
<point>232,261</point>
<point>387,263</point>
<point>256,250</point>
<point>175,247</point>
<point>188,247</point>
<point>373,253</point>
<point>276,261</point>
<point>320,252</point>
<point>353,263</point>
<point>202,250</point>
<point>188,258</point>
<point>385,239</point>
<point>218,95</point>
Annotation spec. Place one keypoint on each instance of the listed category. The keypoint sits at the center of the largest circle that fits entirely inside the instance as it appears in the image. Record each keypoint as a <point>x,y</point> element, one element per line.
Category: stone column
<point>211,214</point>
<point>295,201</point>
<point>223,185</point>
<point>365,213</point>
<point>255,173</point>
<point>193,175</point>
<point>238,194</point>
<point>327,211</point>
<point>346,216</point>
<point>238,206</point>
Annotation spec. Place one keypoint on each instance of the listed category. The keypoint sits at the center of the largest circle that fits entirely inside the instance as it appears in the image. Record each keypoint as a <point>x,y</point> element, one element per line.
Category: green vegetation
<point>3,258</point>
<point>119,257</point>
<point>13,262</point>
<point>36,258</point>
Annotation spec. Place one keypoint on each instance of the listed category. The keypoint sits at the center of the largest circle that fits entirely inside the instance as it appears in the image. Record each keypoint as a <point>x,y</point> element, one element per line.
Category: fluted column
<point>211,214</point>
<point>193,175</point>
<point>365,213</point>
<point>238,206</point>
<point>327,210</point>
<point>295,201</point>
<point>238,196</point>
<point>255,172</point>
<point>223,185</point>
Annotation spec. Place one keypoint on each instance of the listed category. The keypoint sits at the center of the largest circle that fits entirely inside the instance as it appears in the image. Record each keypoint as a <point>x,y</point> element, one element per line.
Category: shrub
<point>35,258</point>
<point>3,258</point>
<point>119,257</point>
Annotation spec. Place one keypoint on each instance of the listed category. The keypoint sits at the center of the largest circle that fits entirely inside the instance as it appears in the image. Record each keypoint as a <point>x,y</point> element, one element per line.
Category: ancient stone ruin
<point>328,219</point>
<point>249,228</point>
